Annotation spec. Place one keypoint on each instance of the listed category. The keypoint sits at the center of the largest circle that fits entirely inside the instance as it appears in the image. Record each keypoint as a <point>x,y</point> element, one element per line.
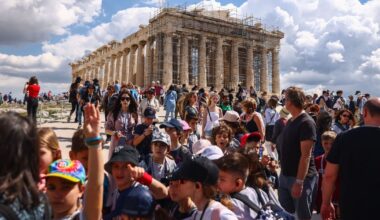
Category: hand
<point>135,172</point>
<point>327,211</point>
<point>148,131</point>
<point>91,121</point>
<point>297,190</point>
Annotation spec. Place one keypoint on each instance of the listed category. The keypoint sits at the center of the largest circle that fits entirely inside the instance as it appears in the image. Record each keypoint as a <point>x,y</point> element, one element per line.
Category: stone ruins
<point>197,47</point>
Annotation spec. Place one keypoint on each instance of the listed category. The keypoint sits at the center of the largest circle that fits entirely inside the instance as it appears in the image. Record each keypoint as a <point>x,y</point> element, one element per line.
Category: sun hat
<point>127,154</point>
<point>212,152</point>
<point>231,116</point>
<point>199,145</point>
<point>284,113</point>
<point>71,170</point>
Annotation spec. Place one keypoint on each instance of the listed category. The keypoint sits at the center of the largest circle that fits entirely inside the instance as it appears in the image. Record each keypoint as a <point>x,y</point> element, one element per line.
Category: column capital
<point>142,43</point>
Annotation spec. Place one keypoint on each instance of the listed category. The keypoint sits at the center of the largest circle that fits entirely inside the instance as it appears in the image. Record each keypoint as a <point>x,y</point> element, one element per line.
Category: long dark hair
<point>19,156</point>
<point>33,80</point>
<point>132,108</point>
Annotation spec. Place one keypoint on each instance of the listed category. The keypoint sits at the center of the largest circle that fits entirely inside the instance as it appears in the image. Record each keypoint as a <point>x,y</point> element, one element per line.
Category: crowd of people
<point>216,155</point>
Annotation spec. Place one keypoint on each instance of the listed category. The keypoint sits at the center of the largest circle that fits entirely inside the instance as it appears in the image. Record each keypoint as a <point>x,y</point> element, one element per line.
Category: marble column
<point>148,62</point>
<point>219,68</point>
<point>132,59</point>
<point>106,72</point>
<point>235,65</point>
<point>119,57</point>
<point>112,68</point>
<point>124,66</point>
<point>264,70</point>
<point>140,64</point>
<point>155,59</point>
<point>184,74</point>
<point>250,75</point>
<point>202,62</point>
<point>275,72</point>
<point>168,61</point>
<point>101,74</point>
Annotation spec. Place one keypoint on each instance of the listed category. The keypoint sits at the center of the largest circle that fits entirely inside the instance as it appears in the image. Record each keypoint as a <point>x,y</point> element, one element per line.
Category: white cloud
<point>24,21</point>
<point>334,45</point>
<point>306,39</point>
<point>336,57</point>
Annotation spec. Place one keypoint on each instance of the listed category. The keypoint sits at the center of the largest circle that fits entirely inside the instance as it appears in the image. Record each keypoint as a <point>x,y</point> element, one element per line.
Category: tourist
<point>225,103</point>
<point>347,162</point>
<point>221,136</point>
<point>328,139</point>
<point>179,152</point>
<point>187,130</point>
<point>233,174</point>
<point>232,120</point>
<point>149,101</point>
<point>201,190</point>
<point>324,121</point>
<point>49,152</point>
<point>117,86</point>
<point>338,102</point>
<point>298,173</point>
<point>143,133</point>
<point>79,150</point>
<point>191,117</point>
<point>211,115</point>
<point>32,89</point>
<point>184,207</point>
<point>19,172</point>
<point>122,121</point>
<point>160,164</point>
<point>251,119</point>
<point>88,96</point>
<point>342,121</point>
<point>170,103</point>
<point>190,101</point>
<point>279,126</point>
<point>124,167</point>
<point>251,142</point>
<point>270,117</point>
<point>73,93</point>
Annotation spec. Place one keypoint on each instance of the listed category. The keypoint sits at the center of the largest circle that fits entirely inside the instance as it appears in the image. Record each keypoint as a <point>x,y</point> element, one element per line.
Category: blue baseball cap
<point>173,123</point>
<point>150,113</point>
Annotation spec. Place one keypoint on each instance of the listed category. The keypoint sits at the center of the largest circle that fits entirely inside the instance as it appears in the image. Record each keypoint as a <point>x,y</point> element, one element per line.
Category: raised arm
<point>94,189</point>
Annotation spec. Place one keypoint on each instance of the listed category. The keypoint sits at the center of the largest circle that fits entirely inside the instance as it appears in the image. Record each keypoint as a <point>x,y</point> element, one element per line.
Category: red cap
<point>251,137</point>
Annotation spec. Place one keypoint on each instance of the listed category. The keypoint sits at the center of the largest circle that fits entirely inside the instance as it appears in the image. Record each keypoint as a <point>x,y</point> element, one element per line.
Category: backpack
<point>268,211</point>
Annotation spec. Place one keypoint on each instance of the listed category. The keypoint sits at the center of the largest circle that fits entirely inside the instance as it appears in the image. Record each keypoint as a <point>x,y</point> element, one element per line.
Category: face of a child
<point>227,182</point>
<point>253,146</point>
<point>82,156</point>
<point>222,140</point>
<point>326,144</point>
<point>159,149</point>
<point>121,174</point>
<point>172,132</point>
<point>193,124</point>
<point>148,121</point>
<point>62,194</point>
<point>46,158</point>
<point>181,189</point>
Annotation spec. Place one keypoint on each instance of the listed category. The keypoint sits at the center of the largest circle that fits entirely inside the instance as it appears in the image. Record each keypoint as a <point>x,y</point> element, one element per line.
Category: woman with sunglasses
<point>342,121</point>
<point>122,120</point>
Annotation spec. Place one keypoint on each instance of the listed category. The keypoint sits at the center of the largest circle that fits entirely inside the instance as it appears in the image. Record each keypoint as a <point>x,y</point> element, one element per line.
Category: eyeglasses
<point>125,99</point>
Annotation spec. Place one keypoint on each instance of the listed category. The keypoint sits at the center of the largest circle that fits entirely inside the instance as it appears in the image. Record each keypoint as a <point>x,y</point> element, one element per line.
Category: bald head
<point>373,106</point>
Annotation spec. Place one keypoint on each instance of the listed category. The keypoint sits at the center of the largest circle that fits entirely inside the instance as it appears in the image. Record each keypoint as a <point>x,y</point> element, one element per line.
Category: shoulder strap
<point>209,114</point>
<point>244,199</point>
<point>7,212</point>
<point>261,200</point>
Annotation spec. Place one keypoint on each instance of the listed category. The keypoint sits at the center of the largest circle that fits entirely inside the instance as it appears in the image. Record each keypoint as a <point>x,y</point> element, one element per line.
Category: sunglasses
<point>125,99</point>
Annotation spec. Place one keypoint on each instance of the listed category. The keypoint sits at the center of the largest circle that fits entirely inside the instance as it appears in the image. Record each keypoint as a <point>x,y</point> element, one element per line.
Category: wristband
<point>146,179</point>
<point>299,181</point>
<point>93,139</point>
<point>93,144</point>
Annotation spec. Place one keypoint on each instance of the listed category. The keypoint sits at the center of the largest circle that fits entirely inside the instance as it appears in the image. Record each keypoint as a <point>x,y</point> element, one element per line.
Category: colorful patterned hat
<point>71,170</point>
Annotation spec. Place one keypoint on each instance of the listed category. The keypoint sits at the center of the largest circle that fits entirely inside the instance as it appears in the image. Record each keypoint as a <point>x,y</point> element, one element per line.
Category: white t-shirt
<point>217,210</point>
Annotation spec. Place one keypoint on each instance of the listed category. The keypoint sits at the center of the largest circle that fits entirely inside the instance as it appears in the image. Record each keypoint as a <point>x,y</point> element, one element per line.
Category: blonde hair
<point>48,139</point>
<point>328,135</point>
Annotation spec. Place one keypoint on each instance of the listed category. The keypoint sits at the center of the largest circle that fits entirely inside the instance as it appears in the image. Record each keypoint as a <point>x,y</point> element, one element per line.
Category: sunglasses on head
<point>125,99</point>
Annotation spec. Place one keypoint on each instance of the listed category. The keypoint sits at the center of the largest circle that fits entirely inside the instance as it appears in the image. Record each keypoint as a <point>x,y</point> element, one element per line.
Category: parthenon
<point>192,47</point>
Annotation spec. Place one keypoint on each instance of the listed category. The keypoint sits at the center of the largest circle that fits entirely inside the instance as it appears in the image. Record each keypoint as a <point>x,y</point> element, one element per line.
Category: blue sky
<point>328,43</point>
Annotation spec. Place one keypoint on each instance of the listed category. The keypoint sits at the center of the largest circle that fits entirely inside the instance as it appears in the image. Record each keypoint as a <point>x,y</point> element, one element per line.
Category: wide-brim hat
<point>127,154</point>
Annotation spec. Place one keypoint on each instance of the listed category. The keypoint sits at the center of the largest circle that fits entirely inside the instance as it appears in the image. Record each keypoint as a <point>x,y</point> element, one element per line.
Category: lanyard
<point>203,212</point>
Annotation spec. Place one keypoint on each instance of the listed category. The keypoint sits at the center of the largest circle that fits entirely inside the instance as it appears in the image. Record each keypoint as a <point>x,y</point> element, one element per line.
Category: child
<point>79,151</point>
<point>123,166</point>
<point>183,208</point>
<point>178,151</point>
<point>49,152</point>
<point>233,173</point>
<point>201,187</point>
<point>328,138</point>
<point>221,137</point>
<point>252,143</point>
<point>65,178</point>
<point>191,117</point>
<point>159,163</point>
